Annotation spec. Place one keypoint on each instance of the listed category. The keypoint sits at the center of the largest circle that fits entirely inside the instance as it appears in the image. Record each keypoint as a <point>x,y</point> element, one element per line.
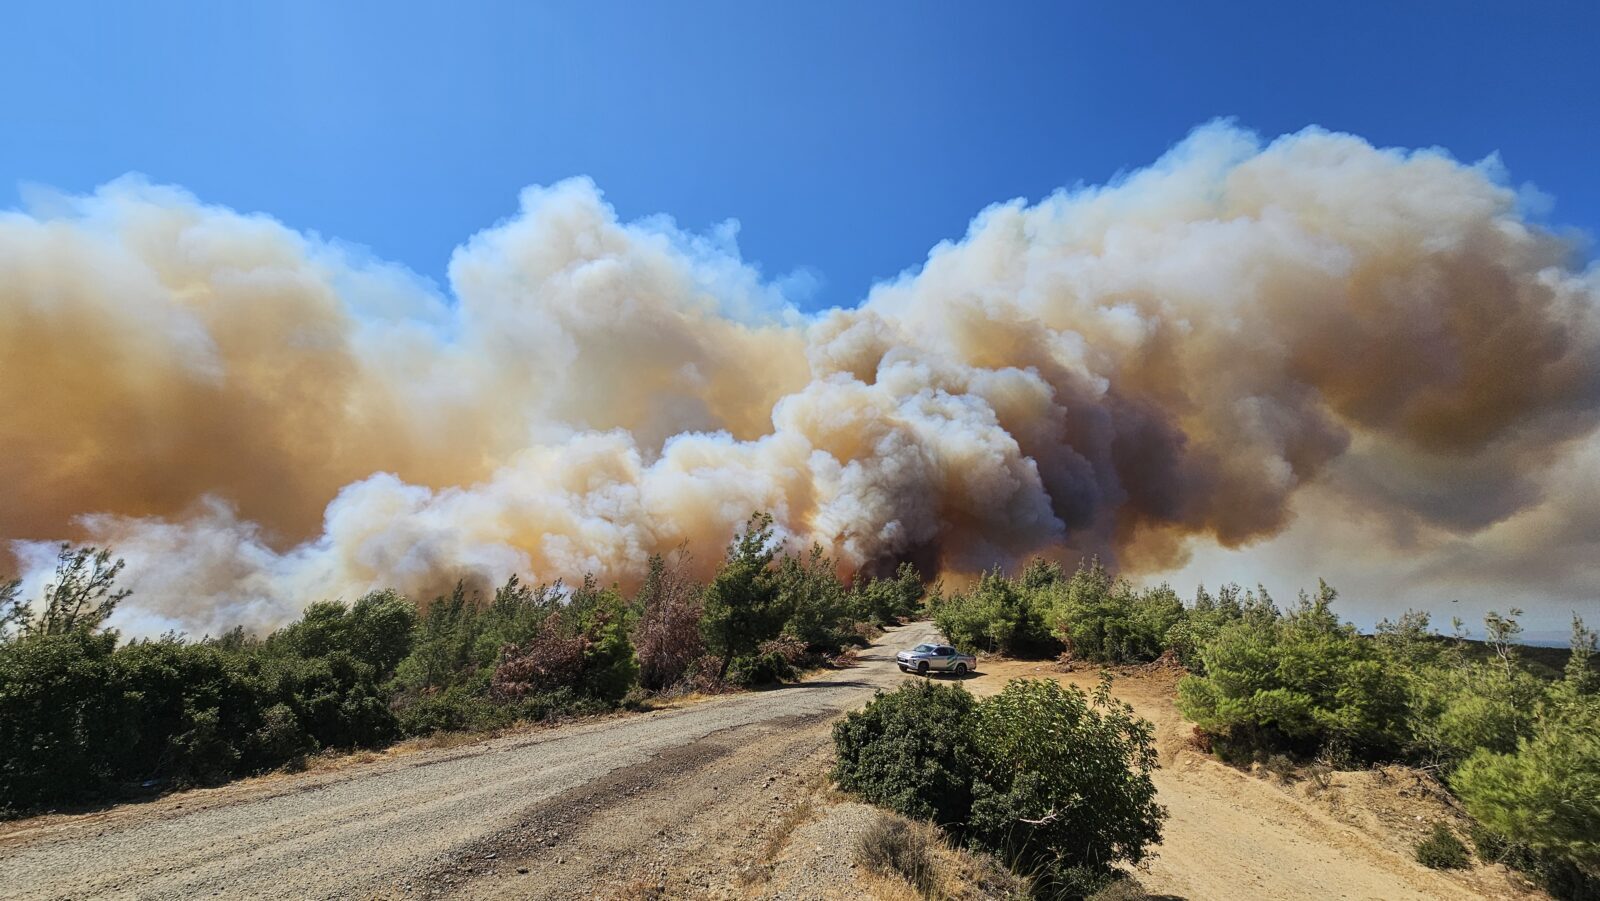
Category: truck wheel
<point>961,670</point>
<point>922,667</point>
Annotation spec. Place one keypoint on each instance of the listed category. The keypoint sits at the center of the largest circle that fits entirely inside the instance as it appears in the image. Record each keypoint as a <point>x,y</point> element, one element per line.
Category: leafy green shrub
<point>754,670</point>
<point>1205,618</point>
<point>819,607</point>
<point>84,714</point>
<point>61,721</point>
<point>1052,781</point>
<point>610,668</point>
<point>1546,793</point>
<point>1441,850</point>
<point>998,614</point>
<point>1459,708</point>
<point>583,647</point>
<point>1066,786</point>
<point>280,736</point>
<point>743,603</point>
<point>1297,682</point>
<point>1491,847</point>
<point>913,750</point>
<point>376,630</point>
<point>191,709</point>
<point>458,639</point>
<point>1099,618</point>
<point>886,601</point>
<point>459,708</point>
<point>340,701</point>
<point>1560,877</point>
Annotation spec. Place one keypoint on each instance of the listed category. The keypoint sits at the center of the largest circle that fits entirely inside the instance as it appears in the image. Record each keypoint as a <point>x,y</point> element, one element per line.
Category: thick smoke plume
<point>256,418</point>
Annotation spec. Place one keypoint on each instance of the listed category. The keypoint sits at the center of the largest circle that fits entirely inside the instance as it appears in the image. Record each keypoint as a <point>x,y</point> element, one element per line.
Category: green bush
<point>1441,850</point>
<point>818,604</point>
<point>743,603</point>
<point>459,708</point>
<point>1066,789</point>
<point>280,736</point>
<point>755,670</point>
<point>191,709</point>
<point>1055,783</point>
<point>61,718</point>
<point>1205,619</point>
<point>458,639</point>
<point>913,750</point>
<point>886,601</point>
<point>998,614</point>
<point>1560,877</point>
<point>1545,794</point>
<point>1106,620</point>
<point>1459,708</point>
<point>1298,682</point>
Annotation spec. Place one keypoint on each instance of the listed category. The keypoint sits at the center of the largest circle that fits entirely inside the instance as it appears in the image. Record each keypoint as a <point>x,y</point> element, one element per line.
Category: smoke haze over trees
<point>1323,352</point>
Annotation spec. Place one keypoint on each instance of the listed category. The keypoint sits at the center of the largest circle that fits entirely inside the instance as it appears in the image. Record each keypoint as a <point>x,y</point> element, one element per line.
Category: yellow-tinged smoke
<point>257,419</point>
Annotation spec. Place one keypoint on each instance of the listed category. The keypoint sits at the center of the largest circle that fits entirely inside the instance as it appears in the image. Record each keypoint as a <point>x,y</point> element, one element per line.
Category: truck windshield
<point>923,649</point>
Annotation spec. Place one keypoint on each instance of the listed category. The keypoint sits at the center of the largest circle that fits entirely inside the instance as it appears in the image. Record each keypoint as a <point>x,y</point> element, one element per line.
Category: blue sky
<point>847,138</point>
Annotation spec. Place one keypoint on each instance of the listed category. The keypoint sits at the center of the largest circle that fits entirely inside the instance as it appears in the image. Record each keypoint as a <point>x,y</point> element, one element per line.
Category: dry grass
<point>1124,889</point>
<point>896,846</point>
<point>907,859</point>
<point>638,890</point>
<point>887,887</point>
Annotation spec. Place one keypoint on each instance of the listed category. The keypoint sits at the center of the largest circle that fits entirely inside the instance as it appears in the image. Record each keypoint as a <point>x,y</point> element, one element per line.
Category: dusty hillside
<point>1234,833</point>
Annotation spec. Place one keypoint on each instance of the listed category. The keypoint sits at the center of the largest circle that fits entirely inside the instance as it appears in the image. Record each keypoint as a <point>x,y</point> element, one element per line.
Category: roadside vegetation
<point>86,716</point>
<point>1515,740</point>
<point>1052,781</point>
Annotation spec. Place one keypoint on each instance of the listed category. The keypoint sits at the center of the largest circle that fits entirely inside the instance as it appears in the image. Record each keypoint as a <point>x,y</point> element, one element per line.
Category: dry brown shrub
<point>550,660</point>
<point>893,845</point>
<point>667,639</point>
<point>792,650</point>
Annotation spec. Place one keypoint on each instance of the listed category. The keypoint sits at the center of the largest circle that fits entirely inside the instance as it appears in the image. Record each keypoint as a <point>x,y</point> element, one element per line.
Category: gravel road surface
<point>551,813</point>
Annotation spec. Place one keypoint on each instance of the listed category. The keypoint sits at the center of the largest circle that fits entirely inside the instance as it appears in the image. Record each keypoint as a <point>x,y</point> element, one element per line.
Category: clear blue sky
<point>847,138</point>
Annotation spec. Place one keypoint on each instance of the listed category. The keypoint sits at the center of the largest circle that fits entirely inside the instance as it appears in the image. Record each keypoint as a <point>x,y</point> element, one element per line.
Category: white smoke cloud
<point>1346,360</point>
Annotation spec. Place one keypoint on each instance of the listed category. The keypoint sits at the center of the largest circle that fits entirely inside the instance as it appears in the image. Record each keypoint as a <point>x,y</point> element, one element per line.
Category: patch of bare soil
<point>1398,806</point>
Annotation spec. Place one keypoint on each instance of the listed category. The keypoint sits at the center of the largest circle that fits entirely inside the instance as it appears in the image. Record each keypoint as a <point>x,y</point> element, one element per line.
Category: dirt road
<point>684,803</point>
<point>549,814</point>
